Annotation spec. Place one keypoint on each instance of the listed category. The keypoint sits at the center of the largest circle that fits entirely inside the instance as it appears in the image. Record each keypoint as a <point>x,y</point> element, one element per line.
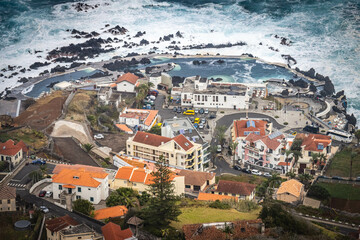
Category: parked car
<point>38,161</point>
<point>175,109</point>
<point>357,179</point>
<point>266,174</point>
<point>42,193</point>
<point>48,194</point>
<point>201,126</point>
<point>197,120</point>
<point>189,112</point>
<point>218,148</point>
<point>236,167</point>
<point>206,111</point>
<point>337,178</point>
<point>179,110</point>
<point>196,110</point>
<point>44,209</point>
<point>256,172</point>
<point>201,111</point>
<point>99,136</point>
<point>245,170</point>
<point>203,120</point>
<point>152,97</point>
<point>311,129</point>
<point>212,116</point>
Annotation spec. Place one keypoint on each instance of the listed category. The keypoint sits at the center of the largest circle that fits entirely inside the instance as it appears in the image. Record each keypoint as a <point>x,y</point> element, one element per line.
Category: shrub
<point>286,123</point>
<point>276,116</point>
<point>246,206</point>
<point>219,205</point>
<point>221,111</point>
<point>319,192</point>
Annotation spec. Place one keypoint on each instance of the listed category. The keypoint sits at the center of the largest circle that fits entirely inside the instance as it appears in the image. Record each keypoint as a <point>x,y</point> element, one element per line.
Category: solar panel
<point>275,134</point>
<point>250,123</point>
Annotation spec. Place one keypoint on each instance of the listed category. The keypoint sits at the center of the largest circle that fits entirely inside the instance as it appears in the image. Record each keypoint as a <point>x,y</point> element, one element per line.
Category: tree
<point>233,147</point>
<point>291,175</point>
<point>87,147</point>
<point>318,192</point>
<point>83,206</point>
<point>357,135</point>
<point>162,208</point>
<point>296,149</point>
<point>220,134</point>
<point>314,159</point>
<point>155,130</point>
<point>213,152</point>
<point>275,180</point>
<point>123,196</point>
<point>305,179</point>
<point>35,176</point>
<point>43,169</point>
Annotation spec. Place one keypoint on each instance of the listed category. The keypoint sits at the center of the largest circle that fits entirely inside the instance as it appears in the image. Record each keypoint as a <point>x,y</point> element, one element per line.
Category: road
<point>223,167</point>
<point>56,210</point>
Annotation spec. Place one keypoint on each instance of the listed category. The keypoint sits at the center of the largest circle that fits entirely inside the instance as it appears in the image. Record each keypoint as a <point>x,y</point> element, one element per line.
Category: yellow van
<point>197,120</point>
<point>189,112</point>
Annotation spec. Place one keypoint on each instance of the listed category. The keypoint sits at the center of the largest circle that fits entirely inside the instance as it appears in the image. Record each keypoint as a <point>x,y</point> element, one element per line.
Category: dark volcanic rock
<point>210,45</point>
<point>75,64</point>
<point>117,30</point>
<point>99,74</point>
<point>285,92</point>
<point>329,88</point>
<point>52,84</point>
<point>23,70</point>
<point>312,88</point>
<point>36,65</point>
<point>220,61</point>
<point>84,6</point>
<point>23,80</point>
<point>351,119</point>
<point>168,37</point>
<point>289,59</point>
<point>139,34</point>
<point>197,62</point>
<point>178,34</point>
<point>120,65</point>
<point>58,68</point>
<point>339,94</point>
<point>144,42</point>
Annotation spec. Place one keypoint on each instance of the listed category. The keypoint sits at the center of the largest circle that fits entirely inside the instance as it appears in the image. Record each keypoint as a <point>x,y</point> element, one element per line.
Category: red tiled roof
<point>240,127</point>
<point>147,116</point>
<point>129,77</point>
<point>124,173</point>
<point>283,164</point>
<point>138,175</point>
<point>311,142</point>
<point>9,148</point>
<point>241,188</point>
<point>124,128</point>
<point>183,142</point>
<point>150,139</point>
<point>78,177</point>
<point>110,212</point>
<point>57,224</point>
<point>7,192</point>
<point>196,178</point>
<point>112,231</point>
<point>270,143</point>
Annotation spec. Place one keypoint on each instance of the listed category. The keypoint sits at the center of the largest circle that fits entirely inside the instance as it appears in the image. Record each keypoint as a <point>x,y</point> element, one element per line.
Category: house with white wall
<point>127,82</point>
<point>11,152</point>
<point>80,182</point>
<point>143,119</point>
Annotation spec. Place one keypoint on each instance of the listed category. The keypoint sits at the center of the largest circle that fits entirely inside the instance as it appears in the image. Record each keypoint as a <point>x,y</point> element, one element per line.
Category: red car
<point>42,193</point>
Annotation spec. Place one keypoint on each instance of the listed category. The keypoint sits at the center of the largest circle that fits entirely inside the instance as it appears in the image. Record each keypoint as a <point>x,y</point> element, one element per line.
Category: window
<point>89,189</point>
<point>78,197</point>
<point>172,155</point>
<point>135,184</point>
<point>309,154</point>
<point>224,98</point>
<point>91,199</point>
<point>60,187</point>
<point>79,189</point>
<point>79,237</point>
<point>128,146</point>
<point>8,201</point>
<point>124,181</point>
<point>187,186</point>
<point>217,98</point>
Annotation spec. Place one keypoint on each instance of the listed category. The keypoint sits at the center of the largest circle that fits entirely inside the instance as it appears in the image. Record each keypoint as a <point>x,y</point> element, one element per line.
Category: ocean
<point>324,34</point>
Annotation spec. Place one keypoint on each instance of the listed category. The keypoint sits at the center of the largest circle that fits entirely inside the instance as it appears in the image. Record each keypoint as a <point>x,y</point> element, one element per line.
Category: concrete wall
<point>125,86</point>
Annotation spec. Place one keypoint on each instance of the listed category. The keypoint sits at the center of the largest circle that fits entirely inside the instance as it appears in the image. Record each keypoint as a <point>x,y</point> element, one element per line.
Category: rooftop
<point>59,223</point>
<point>144,115</point>
<point>78,229</point>
<point>129,77</point>
<point>272,141</point>
<point>241,188</point>
<point>213,197</point>
<point>243,128</point>
<point>9,147</point>
<point>7,192</point>
<point>110,212</point>
<point>314,142</point>
<point>291,186</point>
<point>112,231</point>
<point>134,174</point>
<point>196,178</point>
<point>189,86</point>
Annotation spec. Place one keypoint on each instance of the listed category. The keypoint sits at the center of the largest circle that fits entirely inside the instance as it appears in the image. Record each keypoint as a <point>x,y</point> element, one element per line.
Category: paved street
<point>56,210</point>
<point>223,167</point>
<point>22,177</point>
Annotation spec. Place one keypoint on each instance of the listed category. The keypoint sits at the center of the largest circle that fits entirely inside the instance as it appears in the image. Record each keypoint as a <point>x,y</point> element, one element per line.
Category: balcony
<point>254,155</point>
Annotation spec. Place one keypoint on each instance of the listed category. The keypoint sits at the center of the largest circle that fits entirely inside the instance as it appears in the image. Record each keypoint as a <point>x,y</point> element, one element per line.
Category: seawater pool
<point>42,86</point>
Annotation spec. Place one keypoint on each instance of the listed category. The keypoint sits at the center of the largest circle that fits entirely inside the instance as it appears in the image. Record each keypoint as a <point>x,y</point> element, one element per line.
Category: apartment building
<point>176,126</point>
<point>178,151</point>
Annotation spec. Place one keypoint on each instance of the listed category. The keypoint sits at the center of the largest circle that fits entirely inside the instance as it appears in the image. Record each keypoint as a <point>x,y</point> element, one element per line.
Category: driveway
<point>56,210</point>
<point>22,178</point>
<point>223,167</point>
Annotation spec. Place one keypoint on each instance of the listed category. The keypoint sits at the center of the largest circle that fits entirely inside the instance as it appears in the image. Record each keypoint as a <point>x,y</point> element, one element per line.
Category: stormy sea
<point>319,34</point>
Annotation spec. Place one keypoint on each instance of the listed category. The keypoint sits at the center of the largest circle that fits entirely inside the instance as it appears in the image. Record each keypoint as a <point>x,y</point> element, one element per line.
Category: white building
<point>161,79</point>
<point>62,85</point>
<point>127,82</point>
<point>107,96</point>
<point>80,182</point>
<point>202,93</point>
<point>143,119</point>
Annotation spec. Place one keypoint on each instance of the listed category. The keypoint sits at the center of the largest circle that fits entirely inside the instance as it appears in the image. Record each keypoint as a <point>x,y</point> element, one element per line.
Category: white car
<point>201,126</point>
<point>219,148</point>
<point>256,172</point>
<point>44,209</point>
<point>48,194</point>
<point>266,174</point>
<point>206,111</point>
<point>99,136</point>
<point>196,110</point>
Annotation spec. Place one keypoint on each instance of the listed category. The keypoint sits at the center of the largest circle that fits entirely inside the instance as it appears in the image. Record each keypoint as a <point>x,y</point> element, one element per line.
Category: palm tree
<point>305,179</point>
<point>274,180</point>
<point>35,176</point>
<point>220,134</point>
<point>322,158</point>
<point>233,147</point>
<point>87,147</point>
<point>43,169</point>
<point>287,154</point>
<point>291,175</point>
<point>314,159</point>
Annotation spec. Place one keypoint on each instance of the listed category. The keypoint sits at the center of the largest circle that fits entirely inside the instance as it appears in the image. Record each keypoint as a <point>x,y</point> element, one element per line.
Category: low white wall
<point>39,183</point>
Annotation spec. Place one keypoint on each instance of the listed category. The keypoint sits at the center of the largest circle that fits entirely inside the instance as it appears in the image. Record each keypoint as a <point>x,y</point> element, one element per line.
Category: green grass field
<point>191,215</point>
<point>242,178</point>
<point>340,165</point>
<point>343,191</point>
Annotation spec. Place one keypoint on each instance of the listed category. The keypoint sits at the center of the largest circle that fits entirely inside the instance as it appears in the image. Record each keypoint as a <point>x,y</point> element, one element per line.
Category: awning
<point>69,186</point>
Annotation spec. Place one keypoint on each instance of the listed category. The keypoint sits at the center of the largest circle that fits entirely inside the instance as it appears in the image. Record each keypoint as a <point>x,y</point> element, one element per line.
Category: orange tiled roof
<point>138,175</point>
<point>112,85</point>
<point>311,142</point>
<point>213,197</point>
<point>240,127</point>
<point>129,77</point>
<point>291,186</point>
<point>112,231</point>
<point>124,173</point>
<point>110,212</point>
<point>58,168</point>
<point>78,177</point>
<point>133,162</point>
<point>9,148</point>
<point>124,128</point>
<point>145,115</point>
